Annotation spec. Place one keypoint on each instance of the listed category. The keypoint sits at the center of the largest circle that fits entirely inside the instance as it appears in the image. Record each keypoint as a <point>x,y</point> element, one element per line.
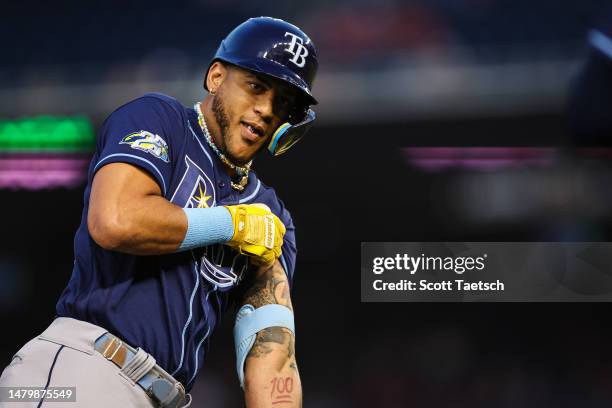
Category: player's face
<point>248,109</point>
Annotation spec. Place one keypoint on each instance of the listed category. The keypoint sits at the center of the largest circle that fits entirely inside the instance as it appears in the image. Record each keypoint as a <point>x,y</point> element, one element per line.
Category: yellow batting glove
<point>257,232</point>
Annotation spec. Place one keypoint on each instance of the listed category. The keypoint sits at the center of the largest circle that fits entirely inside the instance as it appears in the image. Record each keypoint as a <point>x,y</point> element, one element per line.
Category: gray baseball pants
<point>64,356</point>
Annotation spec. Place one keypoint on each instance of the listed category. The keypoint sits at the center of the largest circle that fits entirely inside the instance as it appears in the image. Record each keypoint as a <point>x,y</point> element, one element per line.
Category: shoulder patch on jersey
<point>149,143</point>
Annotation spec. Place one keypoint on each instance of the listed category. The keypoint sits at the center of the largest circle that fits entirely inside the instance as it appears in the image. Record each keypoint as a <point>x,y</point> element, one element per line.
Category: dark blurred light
<point>478,158</point>
<point>16,282</point>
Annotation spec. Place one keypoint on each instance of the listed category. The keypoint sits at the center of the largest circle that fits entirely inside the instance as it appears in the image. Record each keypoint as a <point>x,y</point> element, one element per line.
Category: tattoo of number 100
<point>282,386</point>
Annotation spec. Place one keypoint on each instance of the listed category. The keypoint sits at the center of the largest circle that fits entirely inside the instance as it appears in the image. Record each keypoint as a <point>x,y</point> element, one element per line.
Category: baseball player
<point>176,228</point>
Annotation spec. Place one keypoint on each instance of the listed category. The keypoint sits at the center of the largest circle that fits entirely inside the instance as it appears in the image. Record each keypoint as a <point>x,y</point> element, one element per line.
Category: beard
<point>223,121</point>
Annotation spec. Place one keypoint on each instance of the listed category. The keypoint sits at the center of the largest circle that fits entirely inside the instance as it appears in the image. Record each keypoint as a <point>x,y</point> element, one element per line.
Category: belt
<point>141,367</point>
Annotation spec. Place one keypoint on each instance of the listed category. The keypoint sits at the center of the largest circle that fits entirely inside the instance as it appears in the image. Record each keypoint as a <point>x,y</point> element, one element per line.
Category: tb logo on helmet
<point>299,54</point>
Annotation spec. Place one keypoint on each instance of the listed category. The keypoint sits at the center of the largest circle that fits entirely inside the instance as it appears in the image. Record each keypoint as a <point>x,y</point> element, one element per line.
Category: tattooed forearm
<point>271,374</point>
<point>282,387</point>
<point>261,347</point>
<point>266,338</point>
<point>270,287</point>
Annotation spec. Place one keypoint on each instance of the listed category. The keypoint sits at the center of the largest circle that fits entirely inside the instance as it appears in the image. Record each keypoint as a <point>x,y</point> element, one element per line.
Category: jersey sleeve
<point>140,133</point>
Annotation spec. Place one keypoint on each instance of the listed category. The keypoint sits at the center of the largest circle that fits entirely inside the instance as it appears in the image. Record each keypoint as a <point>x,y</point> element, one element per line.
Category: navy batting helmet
<point>279,49</point>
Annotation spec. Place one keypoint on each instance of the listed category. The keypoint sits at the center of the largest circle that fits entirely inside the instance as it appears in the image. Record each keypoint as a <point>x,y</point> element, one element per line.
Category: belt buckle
<point>114,353</point>
<point>167,394</point>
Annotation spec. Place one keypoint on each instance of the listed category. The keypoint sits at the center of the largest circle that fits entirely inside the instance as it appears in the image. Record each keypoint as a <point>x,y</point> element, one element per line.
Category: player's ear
<point>216,75</point>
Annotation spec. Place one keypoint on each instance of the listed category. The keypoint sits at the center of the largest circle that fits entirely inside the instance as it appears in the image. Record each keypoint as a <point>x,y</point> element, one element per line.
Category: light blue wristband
<point>206,226</point>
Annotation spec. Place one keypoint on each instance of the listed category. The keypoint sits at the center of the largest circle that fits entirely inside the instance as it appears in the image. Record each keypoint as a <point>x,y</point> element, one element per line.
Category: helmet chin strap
<point>242,171</point>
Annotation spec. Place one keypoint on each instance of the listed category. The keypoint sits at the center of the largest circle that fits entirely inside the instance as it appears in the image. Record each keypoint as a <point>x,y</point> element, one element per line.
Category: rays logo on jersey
<point>195,189</point>
<point>149,143</point>
<point>199,198</point>
<point>219,265</point>
<point>222,267</point>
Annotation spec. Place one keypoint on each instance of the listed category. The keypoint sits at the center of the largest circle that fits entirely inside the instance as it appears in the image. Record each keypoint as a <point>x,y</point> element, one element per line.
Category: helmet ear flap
<point>300,110</point>
<point>297,114</point>
<point>289,134</point>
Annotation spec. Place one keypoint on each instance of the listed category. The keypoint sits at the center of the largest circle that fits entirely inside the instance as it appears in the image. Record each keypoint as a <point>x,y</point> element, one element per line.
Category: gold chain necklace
<point>243,172</point>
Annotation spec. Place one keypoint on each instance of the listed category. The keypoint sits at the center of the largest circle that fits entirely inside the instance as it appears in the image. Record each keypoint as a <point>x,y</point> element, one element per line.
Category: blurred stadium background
<point>439,120</point>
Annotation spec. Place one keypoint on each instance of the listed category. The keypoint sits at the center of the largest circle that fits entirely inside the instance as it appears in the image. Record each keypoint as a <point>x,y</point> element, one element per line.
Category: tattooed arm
<point>271,374</point>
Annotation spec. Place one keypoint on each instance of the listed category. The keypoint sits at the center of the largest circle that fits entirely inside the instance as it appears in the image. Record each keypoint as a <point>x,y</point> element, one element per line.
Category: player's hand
<point>257,232</point>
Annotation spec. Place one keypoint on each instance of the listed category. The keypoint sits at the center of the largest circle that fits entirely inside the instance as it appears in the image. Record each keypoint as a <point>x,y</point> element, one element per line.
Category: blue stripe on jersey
<point>195,370</point>
<point>282,261</point>
<point>161,178</point>
<point>253,194</point>
<point>200,143</point>
<point>193,292</point>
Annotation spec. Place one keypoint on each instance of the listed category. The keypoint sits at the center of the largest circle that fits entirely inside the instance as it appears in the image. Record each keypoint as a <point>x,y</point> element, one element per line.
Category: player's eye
<point>255,87</point>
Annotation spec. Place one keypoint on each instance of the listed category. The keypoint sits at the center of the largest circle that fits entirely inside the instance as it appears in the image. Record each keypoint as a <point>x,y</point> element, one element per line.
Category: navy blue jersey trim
<point>49,377</point>
<point>195,371</point>
<point>193,292</point>
<point>284,264</point>
<point>253,194</point>
<point>200,143</point>
<point>133,156</point>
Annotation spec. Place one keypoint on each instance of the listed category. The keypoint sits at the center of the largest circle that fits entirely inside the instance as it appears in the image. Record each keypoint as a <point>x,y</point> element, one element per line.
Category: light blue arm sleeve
<point>250,321</point>
<point>206,226</point>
